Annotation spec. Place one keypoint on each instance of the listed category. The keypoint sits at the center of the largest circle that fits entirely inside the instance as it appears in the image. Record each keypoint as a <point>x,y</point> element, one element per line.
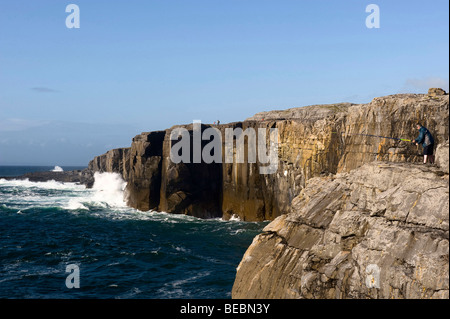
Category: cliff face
<point>392,116</point>
<point>144,175</point>
<point>116,160</point>
<point>189,188</point>
<point>380,231</point>
<point>313,141</point>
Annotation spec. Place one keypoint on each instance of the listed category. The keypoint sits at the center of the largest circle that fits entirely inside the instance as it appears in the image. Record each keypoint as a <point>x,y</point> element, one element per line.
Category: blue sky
<point>67,95</point>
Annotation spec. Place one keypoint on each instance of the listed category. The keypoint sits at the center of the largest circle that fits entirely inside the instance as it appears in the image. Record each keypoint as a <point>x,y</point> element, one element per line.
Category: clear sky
<point>67,95</point>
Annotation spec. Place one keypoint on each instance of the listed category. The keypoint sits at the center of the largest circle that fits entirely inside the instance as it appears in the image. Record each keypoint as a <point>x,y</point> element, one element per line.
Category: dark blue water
<point>120,252</point>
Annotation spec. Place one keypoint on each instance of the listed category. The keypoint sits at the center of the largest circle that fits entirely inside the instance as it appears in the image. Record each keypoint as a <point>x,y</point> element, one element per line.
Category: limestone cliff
<point>380,231</point>
<point>144,175</point>
<point>313,141</point>
<point>189,188</point>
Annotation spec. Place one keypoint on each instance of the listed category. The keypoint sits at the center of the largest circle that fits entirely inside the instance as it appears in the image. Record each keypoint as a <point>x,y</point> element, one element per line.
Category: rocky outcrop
<point>306,113</point>
<point>391,116</point>
<point>436,91</point>
<point>78,176</point>
<point>144,175</point>
<point>116,160</point>
<point>313,141</point>
<point>442,156</point>
<point>380,231</point>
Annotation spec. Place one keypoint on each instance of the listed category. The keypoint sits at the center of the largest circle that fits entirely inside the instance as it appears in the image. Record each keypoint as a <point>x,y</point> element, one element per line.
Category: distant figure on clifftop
<point>426,139</point>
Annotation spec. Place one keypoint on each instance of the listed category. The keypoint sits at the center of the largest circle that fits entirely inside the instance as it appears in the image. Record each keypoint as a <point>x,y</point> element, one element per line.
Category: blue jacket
<point>425,138</point>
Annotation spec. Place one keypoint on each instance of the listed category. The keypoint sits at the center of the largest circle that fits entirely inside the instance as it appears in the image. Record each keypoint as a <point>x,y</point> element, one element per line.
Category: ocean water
<point>120,252</point>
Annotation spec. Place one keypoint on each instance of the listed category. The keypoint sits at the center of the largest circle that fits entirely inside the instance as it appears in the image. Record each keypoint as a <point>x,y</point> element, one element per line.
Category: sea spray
<point>23,194</point>
<point>107,192</point>
<point>109,189</point>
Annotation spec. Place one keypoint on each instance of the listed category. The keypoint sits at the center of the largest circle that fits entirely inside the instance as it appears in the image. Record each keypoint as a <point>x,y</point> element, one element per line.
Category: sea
<point>63,241</point>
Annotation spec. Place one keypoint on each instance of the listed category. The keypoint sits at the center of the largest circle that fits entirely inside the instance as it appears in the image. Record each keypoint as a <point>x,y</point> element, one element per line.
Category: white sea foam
<point>107,191</point>
<point>235,218</point>
<point>75,204</point>
<point>191,279</point>
<point>25,183</point>
<point>237,231</point>
<point>174,289</point>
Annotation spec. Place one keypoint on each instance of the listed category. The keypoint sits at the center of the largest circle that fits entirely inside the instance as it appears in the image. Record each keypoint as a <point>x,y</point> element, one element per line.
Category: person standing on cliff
<point>426,139</point>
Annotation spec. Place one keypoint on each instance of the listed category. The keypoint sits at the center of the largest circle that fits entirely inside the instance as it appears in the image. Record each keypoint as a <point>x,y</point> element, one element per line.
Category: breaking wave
<point>107,192</point>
